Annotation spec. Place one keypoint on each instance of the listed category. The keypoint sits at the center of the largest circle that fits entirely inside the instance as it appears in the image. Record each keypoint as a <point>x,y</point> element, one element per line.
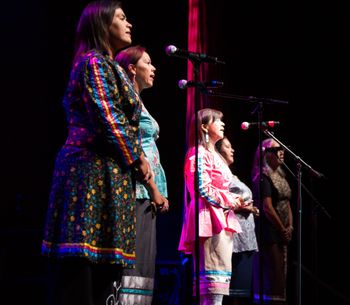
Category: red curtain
<point>197,34</point>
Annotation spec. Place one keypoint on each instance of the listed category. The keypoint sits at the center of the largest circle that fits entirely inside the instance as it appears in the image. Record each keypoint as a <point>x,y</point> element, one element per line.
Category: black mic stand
<point>196,66</point>
<point>318,204</point>
<point>317,174</point>
<point>252,99</point>
<point>314,216</point>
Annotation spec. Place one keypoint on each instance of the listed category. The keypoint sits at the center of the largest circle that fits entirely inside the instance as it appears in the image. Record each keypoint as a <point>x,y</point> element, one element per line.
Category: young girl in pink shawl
<point>216,204</point>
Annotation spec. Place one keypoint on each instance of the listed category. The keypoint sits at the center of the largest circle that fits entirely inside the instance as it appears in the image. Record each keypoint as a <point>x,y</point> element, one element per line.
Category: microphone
<point>174,51</point>
<point>265,124</point>
<point>183,84</point>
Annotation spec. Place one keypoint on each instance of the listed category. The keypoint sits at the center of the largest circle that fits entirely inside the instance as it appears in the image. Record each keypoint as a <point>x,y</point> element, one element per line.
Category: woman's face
<point>227,151</point>
<point>274,154</point>
<point>120,30</point>
<point>215,130</point>
<point>144,72</point>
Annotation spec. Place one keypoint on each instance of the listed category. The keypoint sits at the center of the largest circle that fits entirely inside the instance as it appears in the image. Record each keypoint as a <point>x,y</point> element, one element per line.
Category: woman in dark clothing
<point>276,227</point>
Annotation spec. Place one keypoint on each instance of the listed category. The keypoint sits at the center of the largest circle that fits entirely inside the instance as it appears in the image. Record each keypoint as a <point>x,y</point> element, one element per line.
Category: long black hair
<point>93,27</point>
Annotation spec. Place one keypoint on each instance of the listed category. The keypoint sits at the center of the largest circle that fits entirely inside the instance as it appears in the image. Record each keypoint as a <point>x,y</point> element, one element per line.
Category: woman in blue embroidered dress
<point>137,284</point>
<point>90,225</point>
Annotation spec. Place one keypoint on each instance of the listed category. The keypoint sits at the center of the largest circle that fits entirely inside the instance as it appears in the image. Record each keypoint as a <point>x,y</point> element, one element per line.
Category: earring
<point>206,137</point>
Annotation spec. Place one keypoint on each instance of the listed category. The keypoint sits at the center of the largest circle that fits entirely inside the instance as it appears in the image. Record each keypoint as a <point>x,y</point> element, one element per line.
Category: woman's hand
<point>247,206</point>
<point>157,199</point>
<point>254,210</point>
<point>238,204</point>
<point>143,169</point>
<point>287,234</point>
<point>162,204</point>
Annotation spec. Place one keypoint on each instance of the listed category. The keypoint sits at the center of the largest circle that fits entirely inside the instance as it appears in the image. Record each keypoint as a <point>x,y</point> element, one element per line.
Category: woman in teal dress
<point>137,284</point>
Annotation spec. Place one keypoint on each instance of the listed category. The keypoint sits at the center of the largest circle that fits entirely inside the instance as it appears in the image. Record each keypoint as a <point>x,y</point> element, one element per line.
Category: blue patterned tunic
<point>91,209</point>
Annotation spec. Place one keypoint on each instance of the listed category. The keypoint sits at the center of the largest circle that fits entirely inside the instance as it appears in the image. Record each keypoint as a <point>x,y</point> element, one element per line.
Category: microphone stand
<point>315,173</point>
<point>196,66</point>
<point>318,204</point>
<point>252,99</point>
<point>315,225</point>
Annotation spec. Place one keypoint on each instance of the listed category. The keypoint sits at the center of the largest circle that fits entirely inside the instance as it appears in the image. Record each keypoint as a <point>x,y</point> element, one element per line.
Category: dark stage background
<point>273,49</point>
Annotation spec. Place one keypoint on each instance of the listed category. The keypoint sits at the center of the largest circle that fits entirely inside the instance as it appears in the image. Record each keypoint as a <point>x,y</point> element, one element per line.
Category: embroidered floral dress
<point>91,209</point>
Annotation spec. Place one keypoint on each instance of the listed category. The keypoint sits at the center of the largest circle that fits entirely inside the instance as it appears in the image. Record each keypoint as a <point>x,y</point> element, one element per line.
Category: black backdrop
<point>288,51</point>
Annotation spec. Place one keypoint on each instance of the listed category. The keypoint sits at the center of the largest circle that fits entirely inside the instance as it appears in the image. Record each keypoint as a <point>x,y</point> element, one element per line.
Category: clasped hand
<point>287,233</point>
<point>143,169</point>
<point>247,206</point>
<point>160,202</point>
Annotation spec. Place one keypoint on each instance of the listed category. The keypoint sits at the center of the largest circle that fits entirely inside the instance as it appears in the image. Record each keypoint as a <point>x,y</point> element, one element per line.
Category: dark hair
<point>219,143</point>
<point>93,27</point>
<point>130,55</point>
<point>205,116</point>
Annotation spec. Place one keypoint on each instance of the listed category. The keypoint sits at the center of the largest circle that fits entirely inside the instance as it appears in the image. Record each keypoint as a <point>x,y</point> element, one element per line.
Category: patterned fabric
<point>215,199</point>
<point>91,209</point>
<point>273,250</point>
<point>149,129</point>
<point>246,240</point>
<point>284,194</point>
<point>280,199</point>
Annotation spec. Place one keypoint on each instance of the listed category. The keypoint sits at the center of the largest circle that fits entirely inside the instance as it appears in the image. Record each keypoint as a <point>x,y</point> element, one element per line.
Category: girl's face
<point>120,30</point>
<point>215,130</point>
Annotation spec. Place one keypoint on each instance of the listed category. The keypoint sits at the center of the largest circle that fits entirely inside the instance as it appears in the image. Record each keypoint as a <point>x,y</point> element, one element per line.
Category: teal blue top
<point>149,129</point>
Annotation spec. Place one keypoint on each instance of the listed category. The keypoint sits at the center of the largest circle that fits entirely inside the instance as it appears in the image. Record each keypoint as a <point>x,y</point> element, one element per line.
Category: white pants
<point>211,299</point>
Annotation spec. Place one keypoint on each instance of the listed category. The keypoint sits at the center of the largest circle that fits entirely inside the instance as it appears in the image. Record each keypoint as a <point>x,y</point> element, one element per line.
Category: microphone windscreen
<point>272,123</point>
<point>170,50</point>
<point>245,125</point>
<point>182,84</point>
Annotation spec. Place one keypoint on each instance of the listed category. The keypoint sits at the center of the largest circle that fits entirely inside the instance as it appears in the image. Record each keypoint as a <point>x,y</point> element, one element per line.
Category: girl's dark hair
<point>219,143</point>
<point>93,27</point>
